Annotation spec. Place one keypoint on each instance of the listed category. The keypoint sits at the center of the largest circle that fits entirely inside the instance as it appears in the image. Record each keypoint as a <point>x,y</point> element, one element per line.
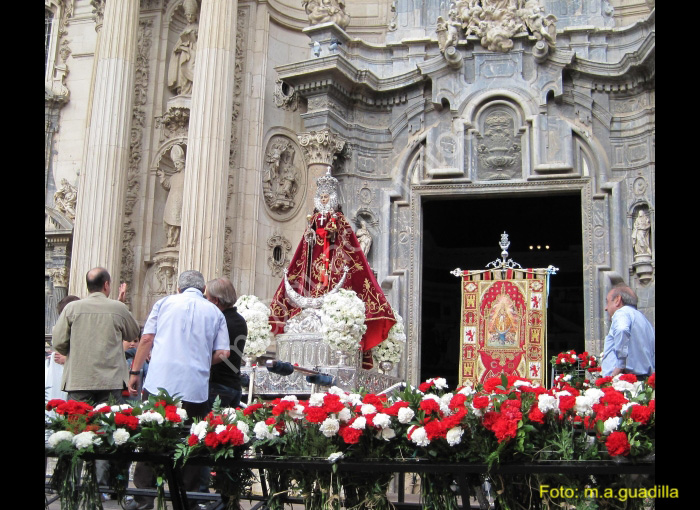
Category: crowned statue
<point>329,257</point>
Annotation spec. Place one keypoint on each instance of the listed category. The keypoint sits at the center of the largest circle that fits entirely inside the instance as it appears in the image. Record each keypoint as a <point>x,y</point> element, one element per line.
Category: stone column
<point>100,203</point>
<point>209,141</point>
<point>320,149</point>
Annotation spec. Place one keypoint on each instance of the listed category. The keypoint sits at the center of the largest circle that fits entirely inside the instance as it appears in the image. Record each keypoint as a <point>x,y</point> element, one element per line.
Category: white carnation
<point>454,435</point>
<point>57,437</point>
<point>382,420</point>
<point>368,409</point>
<point>335,456</point>
<point>345,415</point>
<point>330,427</point>
<point>386,434</point>
<point>120,436</point>
<point>360,423</point>
<point>264,431</point>
<point>611,424</point>
<point>547,403</point>
<point>419,436</point>
<point>151,416</point>
<point>199,429</point>
<point>405,415</point>
<point>86,439</point>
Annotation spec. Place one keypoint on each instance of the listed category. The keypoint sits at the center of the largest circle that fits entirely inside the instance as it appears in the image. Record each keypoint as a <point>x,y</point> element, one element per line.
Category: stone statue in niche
<point>174,183</point>
<point>324,11</point>
<point>641,234</point>
<point>364,237</point>
<point>498,151</point>
<point>281,175</point>
<point>65,199</point>
<point>182,60</point>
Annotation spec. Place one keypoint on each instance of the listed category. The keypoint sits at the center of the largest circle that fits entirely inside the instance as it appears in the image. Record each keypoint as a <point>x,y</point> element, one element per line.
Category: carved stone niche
<point>498,144</point>
<point>279,250</point>
<point>284,177</point>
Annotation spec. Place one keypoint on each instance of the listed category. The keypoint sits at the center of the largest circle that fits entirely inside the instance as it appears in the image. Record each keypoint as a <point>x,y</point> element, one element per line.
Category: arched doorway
<point>464,232</point>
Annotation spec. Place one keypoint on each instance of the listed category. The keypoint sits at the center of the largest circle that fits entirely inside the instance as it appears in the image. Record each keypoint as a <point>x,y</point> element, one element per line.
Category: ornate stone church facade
<point>188,134</point>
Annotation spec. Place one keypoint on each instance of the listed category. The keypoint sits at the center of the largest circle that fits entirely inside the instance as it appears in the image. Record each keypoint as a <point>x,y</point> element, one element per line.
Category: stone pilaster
<point>209,141</point>
<point>101,191</point>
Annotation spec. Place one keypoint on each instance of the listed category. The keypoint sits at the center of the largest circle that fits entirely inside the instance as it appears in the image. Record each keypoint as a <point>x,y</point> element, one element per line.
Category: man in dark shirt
<point>225,378</point>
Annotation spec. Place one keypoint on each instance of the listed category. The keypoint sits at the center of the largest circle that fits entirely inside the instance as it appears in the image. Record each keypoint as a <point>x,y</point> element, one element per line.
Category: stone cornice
<point>338,72</point>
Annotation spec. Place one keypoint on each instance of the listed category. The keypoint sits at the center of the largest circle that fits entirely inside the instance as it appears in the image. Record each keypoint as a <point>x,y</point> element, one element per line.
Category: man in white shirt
<point>185,334</point>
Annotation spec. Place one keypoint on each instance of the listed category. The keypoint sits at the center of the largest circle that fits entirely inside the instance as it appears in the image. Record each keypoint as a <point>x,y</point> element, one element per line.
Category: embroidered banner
<point>503,325</point>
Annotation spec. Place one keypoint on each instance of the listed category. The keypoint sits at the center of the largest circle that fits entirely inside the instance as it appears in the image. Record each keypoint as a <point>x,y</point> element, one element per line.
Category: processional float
<point>328,258</point>
<point>503,324</point>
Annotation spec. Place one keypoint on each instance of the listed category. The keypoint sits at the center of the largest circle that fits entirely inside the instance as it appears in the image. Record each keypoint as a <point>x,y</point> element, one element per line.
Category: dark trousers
<point>145,477</point>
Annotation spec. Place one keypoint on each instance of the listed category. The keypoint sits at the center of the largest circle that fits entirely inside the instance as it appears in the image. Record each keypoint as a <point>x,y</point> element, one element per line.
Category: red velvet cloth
<point>312,273</point>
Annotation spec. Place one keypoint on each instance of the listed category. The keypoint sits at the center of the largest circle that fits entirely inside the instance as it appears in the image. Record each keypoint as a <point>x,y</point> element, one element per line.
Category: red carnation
<point>332,403</point>
<point>480,402</point>
<point>315,414</point>
<point>211,440</point>
<point>617,443</point>
<point>457,401</point>
<point>251,409</point>
<point>566,402</point>
<point>127,420</point>
<point>603,380</point>
<point>536,415</point>
<point>435,429</point>
<point>430,406</point>
<point>630,378</point>
<point>349,434</point>
<point>192,440</point>
<point>641,414</point>
<point>53,403</point>
<point>652,380</point>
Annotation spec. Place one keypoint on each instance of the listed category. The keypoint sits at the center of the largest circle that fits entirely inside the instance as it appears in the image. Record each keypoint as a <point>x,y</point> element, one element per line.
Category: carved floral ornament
<point>325,11</point>
<point>496,22</point>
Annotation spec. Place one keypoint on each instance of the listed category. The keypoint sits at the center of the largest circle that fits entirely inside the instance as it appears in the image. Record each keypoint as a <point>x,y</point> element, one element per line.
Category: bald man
<point>89,332</point>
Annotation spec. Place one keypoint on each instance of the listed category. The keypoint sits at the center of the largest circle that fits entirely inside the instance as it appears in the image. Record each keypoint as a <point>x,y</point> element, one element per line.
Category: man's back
<point>632,339</point>
<point>187,329</point>
<point>90,332</point>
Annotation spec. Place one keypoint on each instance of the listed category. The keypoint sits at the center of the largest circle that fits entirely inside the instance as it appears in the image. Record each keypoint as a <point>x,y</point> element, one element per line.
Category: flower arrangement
<point>505,419</point>
<point>575,369</point>
<point>343,320</point>
<point>391,348</point>
<point>256,314</point>
<point>224,435</point>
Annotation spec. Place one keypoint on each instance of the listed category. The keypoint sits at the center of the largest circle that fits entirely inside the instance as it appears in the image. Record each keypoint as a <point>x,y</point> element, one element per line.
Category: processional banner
<point>503,326</point>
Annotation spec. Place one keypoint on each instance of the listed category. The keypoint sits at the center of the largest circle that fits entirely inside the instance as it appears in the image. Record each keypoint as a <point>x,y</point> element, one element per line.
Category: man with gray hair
<point>630,347</point>
<point>186,335</point>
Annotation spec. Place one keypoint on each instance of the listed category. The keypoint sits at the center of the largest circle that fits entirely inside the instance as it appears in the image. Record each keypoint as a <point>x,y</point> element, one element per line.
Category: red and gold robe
<point>316,269</point>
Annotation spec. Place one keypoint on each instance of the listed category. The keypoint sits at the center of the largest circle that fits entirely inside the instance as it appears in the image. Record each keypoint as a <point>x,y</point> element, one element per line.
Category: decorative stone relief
<point>65,199</point>
<point>59,276</point>
<point>138,122</point>
<point>364,237</point>
<point>496,22</point>
<point>174,122</point>
<point>282,176</point>
<point>324,11</point>
<point>285,97</point>
<point>279,248</point>
<point>498,147</point>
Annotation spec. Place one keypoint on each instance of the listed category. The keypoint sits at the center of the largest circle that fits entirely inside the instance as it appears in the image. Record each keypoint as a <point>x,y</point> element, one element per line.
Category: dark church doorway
<point>543,230</point>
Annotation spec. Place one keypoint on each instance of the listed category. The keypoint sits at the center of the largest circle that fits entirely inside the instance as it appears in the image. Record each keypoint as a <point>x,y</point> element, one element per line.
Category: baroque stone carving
<point>174,122</point>
<point>65,199</point>
<point>280,247</point>
<point>321,146</point>
<point>285,97</point>
<point>364,237</point>
<point>182,60</point>
<point>499,154</point>
<point>496,22</point>
<point>324,11</point>
<point>282,174</point>
<point>59,276</point>
<point>641,234</point>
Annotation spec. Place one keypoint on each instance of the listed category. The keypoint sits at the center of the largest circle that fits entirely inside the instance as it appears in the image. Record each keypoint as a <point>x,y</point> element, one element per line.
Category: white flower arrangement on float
<point>257,316</point>
<point>343,320</point>
<point>391,348</point>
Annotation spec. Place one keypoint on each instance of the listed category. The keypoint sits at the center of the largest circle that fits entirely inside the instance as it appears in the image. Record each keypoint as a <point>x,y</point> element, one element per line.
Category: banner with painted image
<point>503,324</point>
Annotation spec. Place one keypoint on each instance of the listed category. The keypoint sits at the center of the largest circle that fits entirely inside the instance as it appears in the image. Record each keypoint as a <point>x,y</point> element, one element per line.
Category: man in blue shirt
<point>629,347</point>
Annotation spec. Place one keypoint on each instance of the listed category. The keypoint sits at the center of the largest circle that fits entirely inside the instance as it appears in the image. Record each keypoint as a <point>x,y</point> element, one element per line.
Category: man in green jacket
<point>89,332</point>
